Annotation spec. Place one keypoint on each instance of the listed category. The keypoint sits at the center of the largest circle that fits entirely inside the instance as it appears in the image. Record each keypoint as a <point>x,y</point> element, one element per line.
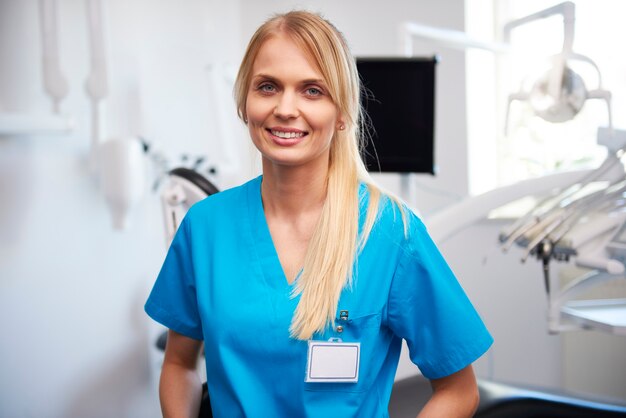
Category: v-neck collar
<point>262,240</point>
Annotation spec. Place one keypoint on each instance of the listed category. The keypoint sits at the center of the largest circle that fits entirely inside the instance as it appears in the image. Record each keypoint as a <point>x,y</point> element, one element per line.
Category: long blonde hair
<point>331,252</point>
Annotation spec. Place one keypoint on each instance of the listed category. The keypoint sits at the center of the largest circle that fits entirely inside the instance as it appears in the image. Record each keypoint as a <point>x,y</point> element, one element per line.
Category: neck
<point>291,191</point>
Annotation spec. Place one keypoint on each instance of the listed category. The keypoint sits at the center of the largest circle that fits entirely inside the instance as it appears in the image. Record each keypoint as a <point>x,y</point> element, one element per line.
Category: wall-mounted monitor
<point>399,98</point>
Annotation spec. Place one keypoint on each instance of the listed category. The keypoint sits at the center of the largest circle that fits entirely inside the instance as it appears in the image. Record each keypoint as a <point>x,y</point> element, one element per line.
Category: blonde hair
<point>331,253</point>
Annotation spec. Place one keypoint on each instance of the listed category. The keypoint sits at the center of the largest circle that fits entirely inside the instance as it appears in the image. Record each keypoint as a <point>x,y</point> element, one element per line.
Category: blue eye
<point>313,91</point>
<point>267,88</point>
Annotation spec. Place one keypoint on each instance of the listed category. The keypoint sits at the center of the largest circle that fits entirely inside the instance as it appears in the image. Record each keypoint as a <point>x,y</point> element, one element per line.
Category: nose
<point>286,106</point>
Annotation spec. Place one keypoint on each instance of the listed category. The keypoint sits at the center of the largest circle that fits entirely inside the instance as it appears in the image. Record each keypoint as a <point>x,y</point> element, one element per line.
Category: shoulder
<point>396,223</point>
<point>227,202</point>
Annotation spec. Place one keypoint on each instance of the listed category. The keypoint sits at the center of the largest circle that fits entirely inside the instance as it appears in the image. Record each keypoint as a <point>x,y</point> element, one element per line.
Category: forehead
<point>282,56</point>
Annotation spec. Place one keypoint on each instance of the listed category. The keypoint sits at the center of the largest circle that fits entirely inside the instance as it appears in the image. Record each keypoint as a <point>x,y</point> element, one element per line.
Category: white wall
<point>75,341</point>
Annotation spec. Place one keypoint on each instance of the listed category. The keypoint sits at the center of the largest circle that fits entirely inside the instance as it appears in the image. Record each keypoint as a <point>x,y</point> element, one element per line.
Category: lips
<point>286,136</point>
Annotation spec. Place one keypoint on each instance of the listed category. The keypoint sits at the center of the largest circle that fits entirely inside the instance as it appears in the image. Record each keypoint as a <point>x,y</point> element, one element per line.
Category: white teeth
<point>281,134</point>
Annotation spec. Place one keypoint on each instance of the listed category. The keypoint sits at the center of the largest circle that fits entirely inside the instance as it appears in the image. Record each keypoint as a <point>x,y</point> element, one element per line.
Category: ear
<point>341,125</point>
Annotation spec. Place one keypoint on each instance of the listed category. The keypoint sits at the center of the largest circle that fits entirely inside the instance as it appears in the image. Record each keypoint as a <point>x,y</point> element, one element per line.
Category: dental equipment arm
<point>97,82</point>
<point>546,208</point>
<point>588,223</point>
<point>15,124</point>
<point>54,82</point>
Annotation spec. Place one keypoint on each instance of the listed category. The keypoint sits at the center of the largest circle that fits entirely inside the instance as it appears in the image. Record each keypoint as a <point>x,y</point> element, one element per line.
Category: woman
<point>303,282</point>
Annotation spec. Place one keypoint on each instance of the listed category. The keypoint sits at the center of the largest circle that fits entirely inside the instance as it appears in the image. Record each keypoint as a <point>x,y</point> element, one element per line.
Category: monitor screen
<point>399,98</point>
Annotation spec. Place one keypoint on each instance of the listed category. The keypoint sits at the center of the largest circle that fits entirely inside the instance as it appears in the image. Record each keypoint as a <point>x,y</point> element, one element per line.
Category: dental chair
<point>500,400</point>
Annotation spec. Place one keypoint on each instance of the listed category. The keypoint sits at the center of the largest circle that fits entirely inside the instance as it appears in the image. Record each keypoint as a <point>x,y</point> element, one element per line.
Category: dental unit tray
<point>608,315</point>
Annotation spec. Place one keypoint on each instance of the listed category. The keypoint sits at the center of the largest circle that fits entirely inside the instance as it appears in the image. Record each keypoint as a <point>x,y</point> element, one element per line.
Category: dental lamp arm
<point>606,96</point>
<point>599,92</point>
<point>447,37</point>
<point>568,10</point>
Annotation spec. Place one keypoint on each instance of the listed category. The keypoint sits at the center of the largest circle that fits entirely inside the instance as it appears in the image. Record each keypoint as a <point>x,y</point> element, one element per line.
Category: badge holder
<point>333,361</point>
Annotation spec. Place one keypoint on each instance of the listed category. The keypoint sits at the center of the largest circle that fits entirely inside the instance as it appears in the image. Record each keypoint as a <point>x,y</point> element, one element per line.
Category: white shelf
<point>608,315</point>
<point>19,124</point>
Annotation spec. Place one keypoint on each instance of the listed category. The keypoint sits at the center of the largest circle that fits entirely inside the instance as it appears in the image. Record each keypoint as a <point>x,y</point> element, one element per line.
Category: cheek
<point>319,111</point>
<point>257,110</point>
<point>325,120</point>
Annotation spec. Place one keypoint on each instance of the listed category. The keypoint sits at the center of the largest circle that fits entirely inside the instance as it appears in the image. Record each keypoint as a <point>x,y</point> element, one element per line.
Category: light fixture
<point>559,93</point>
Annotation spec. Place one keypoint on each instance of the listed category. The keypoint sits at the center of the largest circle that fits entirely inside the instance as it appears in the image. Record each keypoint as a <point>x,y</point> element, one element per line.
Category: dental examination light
<point>560,93</point>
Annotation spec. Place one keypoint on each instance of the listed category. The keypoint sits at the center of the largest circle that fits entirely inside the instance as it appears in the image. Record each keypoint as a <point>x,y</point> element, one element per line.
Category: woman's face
<point>291,117</point>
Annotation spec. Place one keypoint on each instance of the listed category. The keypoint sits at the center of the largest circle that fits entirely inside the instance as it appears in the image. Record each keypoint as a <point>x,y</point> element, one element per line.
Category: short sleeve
<point>173,301</point>
<point>429,309</point>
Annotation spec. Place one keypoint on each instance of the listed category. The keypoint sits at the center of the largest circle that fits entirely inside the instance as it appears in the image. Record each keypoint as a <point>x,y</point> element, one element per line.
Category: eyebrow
<point>274,79</point>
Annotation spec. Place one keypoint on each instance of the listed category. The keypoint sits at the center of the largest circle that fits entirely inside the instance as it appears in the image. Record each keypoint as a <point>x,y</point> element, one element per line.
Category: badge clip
<point>343,315</point>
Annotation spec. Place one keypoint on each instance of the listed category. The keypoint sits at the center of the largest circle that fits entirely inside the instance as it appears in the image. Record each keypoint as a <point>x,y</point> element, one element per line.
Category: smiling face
<point>291,117</point>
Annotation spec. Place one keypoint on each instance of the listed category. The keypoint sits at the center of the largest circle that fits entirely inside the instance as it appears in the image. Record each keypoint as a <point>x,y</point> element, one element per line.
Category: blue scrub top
<point>222,283</point>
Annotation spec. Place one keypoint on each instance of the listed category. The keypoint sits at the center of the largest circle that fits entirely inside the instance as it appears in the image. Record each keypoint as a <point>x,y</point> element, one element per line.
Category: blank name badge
<point>330,361</point>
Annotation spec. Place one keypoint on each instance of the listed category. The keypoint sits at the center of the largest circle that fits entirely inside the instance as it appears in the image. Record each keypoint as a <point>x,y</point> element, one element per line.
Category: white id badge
<point>330,361</point>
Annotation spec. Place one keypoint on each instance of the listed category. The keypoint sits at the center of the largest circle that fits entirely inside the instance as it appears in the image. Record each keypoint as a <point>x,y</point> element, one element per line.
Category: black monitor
<point>399,98</point>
